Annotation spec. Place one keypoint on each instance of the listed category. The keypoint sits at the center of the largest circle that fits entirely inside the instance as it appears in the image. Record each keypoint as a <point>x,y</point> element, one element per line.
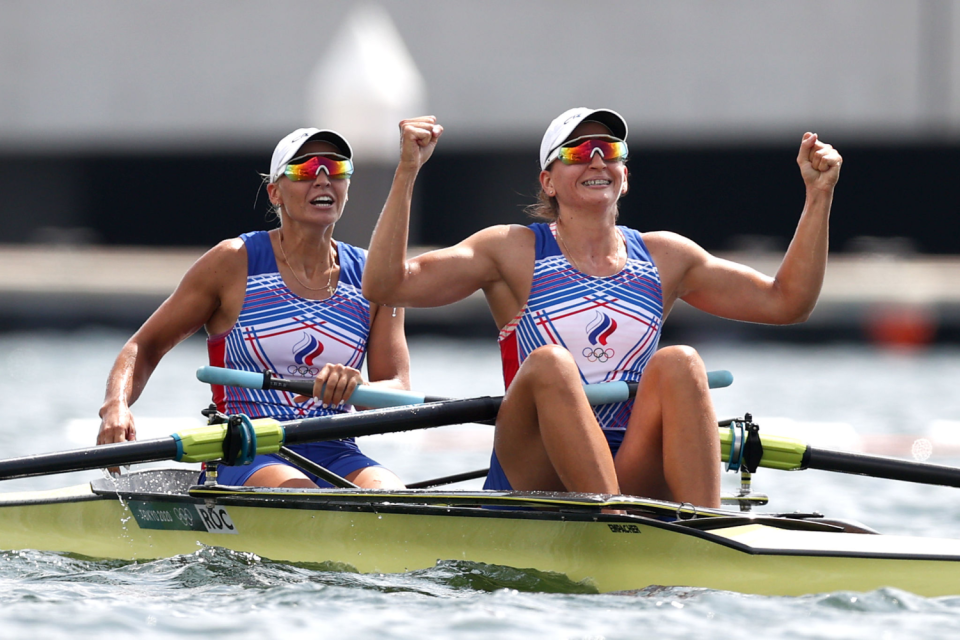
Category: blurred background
<point>133,136</point>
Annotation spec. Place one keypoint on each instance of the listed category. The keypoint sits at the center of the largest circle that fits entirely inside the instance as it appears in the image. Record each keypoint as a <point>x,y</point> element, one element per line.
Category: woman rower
<point>579,300</point>
<point>287,300</point>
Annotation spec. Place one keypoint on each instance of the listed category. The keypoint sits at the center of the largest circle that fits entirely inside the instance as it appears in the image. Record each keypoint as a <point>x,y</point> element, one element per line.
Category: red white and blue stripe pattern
<point>289,335</point>
<point>611,325</point>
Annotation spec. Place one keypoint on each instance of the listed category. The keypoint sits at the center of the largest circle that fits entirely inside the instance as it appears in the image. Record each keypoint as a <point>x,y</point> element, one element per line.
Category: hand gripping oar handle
<point>363,395</point>
<point>377,398</point>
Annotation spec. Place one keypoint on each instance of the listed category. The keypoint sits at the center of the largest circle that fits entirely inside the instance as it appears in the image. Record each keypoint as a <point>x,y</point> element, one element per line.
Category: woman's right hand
<point>116,425</point>
<point>418,138</point>
<point>334,385</point>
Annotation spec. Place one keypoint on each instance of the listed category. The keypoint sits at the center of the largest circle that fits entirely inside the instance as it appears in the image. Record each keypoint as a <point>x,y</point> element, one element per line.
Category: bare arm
<point>438,277</point>
<point>738,292</point>
<point>196,299</point>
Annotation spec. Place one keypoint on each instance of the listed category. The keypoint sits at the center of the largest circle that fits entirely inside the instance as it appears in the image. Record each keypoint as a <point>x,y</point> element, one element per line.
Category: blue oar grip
<point>610,392</point>
<point>607,392</point>
<point>375,398</point>
<point>719,378</point>
<point>364,396</point>
<point>230,377</point>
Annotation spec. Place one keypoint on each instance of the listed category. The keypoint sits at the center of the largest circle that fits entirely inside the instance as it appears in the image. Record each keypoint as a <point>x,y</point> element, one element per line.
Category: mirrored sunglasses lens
<point>581,153</point>
<point>308,169</point>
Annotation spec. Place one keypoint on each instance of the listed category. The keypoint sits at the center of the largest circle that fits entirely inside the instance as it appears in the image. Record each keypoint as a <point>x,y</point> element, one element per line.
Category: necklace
<point>563,244</point>
<point>327,287</point>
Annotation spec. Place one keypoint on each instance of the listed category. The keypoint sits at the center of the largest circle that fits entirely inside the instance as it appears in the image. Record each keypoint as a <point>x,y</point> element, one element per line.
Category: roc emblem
<point>304,353</point>
<point>598,332</point>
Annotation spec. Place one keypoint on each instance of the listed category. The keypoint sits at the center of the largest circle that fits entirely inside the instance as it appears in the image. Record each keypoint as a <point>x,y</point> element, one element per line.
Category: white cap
<point>564,124</point>
<point>288,147</point>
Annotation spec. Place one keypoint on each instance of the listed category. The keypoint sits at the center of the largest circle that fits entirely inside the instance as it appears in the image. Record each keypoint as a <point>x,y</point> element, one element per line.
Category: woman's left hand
<point>334,384</point>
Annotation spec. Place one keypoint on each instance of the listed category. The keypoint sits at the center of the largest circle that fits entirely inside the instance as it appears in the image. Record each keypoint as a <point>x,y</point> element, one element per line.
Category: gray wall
<point>220,74</point>
<point>148,102</point>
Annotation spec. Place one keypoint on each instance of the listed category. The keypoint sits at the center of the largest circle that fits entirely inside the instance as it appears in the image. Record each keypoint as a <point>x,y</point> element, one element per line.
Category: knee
<point>679,362</point>
<point>551,357</point>
<point>548,364</point>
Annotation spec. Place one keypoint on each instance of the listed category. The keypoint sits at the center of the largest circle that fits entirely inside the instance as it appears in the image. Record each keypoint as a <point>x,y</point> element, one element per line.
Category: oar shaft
<point>392,420</point>
<point>880,467</point>
<point>206,443</point>
<point>109,455</point>
<point>377,398</point>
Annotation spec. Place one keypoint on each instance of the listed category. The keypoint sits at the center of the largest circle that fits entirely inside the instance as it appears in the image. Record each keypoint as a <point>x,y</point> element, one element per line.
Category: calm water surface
<point>849,397</point>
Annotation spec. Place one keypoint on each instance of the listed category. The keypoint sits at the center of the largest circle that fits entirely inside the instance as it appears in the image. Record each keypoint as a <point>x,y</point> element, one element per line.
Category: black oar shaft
<point>457,477</point>
<point>880,467</point>
<point>393,420</point>
<point>110,455</point>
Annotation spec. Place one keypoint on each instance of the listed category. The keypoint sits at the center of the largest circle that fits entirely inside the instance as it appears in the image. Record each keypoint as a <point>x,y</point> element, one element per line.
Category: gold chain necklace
<point>574,262</point>
<point>327,287</point>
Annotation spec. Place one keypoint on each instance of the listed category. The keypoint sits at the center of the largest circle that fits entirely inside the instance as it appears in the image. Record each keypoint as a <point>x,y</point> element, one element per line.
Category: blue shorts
<point>497,479</point>
<point>342,457</point>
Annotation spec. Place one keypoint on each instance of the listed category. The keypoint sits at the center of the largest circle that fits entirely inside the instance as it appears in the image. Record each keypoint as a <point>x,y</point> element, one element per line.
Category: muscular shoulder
<point>220,264</point>
<point>669,247</point>
<point>675,257</point>
<point>228,253</point>
<point>502,239</point>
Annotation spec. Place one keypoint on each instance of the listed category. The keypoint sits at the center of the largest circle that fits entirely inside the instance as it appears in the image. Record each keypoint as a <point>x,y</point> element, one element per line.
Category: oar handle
<point>373,397</point>
<point>363,395</point>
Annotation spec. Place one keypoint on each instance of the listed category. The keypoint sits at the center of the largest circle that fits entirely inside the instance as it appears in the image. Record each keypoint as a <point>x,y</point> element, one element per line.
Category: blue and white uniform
<point>610,324</point>
<point>294,337</point>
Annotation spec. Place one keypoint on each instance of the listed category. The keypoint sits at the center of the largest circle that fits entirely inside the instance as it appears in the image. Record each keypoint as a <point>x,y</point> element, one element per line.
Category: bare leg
<point>283,475</point>
<point>375,478</point>
<point>547,437</point>
<point>671,450</point>
<point>279,475</point>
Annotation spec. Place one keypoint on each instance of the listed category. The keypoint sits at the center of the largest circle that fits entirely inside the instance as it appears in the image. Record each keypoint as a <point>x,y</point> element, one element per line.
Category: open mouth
<point>322,201</point>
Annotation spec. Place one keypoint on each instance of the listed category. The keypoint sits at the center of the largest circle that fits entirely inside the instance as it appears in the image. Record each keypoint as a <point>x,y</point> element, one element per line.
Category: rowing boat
<point>606,542</point>
<point>162,513</point>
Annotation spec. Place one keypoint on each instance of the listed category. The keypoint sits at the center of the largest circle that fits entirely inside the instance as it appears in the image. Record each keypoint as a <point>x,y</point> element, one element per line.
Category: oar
<point>207,443</point>
<point>378,398</point>
<point>790,454</point>
<point>267,435</point>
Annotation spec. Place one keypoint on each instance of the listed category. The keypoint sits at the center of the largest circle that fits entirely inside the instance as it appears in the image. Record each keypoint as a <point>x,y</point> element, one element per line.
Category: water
<point>833,396</point>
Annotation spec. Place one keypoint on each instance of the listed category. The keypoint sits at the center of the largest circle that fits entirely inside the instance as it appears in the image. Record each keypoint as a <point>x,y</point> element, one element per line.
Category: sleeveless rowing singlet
<point>610,324</point>
<point>289,335</point>
<point>293,337</point>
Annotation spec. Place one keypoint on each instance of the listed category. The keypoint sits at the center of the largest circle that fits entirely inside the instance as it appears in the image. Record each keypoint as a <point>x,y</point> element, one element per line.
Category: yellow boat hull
<point>386,533</point>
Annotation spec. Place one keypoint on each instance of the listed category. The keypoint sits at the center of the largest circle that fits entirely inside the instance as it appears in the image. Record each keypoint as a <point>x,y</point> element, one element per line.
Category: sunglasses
<point>309,167</point>
<point>581,150</point>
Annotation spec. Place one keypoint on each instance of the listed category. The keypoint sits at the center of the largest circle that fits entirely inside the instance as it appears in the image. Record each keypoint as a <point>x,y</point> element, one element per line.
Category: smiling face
<point>597,184</point>
<point>319,201</point>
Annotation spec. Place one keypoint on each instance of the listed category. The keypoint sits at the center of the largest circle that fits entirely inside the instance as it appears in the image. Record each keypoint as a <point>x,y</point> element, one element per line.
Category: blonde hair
<point>546,208</point>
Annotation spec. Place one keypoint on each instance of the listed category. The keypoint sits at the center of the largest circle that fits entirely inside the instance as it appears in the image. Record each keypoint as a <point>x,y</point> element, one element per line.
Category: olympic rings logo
<point>184,516</point>
<point>303,370</point>
<point>597,354</point>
